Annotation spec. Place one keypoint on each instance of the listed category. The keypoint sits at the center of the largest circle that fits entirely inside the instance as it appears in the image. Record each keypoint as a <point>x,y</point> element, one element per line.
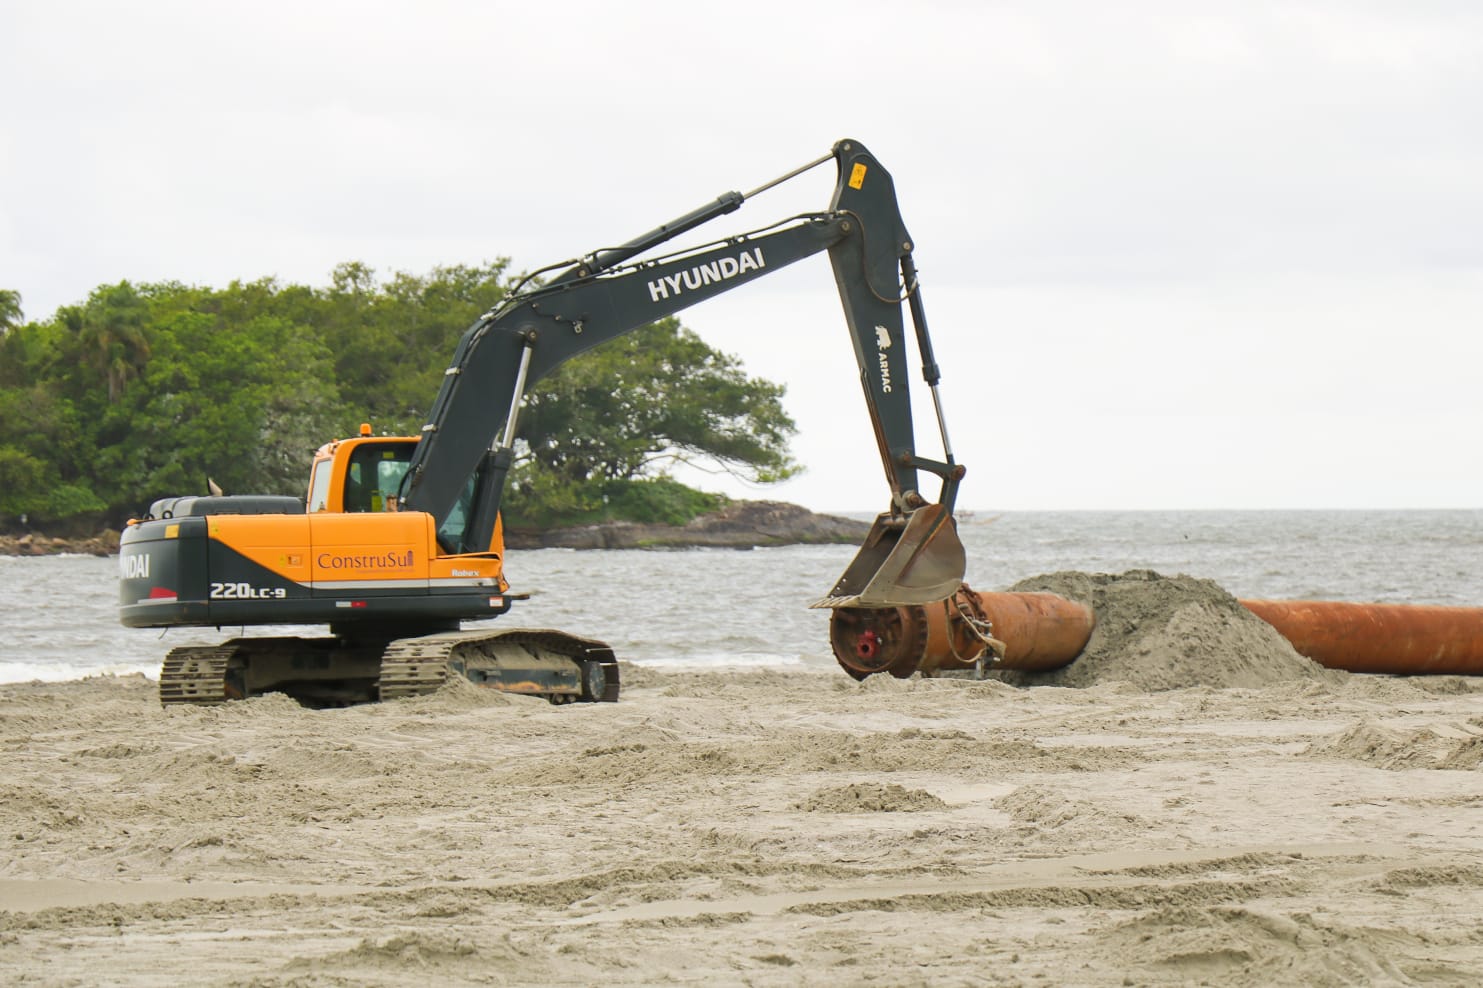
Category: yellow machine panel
<point>276,542</point>
<point>379,548</point>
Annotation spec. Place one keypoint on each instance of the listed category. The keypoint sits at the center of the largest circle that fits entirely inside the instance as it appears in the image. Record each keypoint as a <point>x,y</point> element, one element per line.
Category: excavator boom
<point>911,555</point>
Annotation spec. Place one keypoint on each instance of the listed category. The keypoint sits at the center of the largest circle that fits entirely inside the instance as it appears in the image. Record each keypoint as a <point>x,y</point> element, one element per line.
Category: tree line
<point>147,390</point>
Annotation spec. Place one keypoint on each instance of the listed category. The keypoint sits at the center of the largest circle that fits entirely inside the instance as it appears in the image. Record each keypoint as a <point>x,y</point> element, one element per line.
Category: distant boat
<point>973,516</point>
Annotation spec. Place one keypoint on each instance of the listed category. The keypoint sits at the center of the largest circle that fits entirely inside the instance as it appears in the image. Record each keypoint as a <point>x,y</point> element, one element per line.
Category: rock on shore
<point>36,544</point>
<point>740,525</point>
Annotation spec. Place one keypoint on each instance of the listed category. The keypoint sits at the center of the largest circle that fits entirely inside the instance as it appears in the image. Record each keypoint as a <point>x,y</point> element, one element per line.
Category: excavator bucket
<point>905,560</point>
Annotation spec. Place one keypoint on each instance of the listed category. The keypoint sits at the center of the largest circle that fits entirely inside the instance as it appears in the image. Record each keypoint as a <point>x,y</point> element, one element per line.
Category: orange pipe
<point>1036,632</point>
<point>1399,639</point>
<point>1040,631</point>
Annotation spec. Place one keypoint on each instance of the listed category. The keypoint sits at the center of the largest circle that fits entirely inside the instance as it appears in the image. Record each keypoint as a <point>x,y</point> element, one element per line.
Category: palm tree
<point>10,310</point>
<point>111,332</point>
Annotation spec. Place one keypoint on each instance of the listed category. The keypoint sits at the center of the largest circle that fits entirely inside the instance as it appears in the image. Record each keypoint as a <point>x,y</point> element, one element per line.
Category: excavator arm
<point>912,553</point>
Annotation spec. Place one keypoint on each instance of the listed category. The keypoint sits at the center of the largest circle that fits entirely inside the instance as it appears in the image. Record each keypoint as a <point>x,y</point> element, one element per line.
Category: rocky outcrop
<point>35,544</point>
<point>738,525</point>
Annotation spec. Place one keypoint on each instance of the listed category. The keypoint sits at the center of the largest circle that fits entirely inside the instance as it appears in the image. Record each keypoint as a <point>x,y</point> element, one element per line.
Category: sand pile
<point>1398,749</point>
<point>870,797</point>
<point>1239,945</point>
<point>1162,633</point>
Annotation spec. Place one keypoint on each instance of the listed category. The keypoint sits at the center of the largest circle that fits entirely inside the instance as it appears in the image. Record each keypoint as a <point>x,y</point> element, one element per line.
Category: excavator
<point>399,540</point>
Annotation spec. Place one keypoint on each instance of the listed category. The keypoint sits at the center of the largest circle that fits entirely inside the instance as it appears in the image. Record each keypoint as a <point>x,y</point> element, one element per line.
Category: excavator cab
<point>366,479</point>
<point>369,478</point>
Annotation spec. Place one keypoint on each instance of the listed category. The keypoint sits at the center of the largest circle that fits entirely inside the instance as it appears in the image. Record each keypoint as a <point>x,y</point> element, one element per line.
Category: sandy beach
<point>761,828</point>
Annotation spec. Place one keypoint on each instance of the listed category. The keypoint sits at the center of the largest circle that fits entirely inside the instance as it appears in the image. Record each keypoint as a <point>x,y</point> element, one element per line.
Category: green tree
<point>654,397</point>
<point>600,434</point>
<point>22,482</point>
<point>110,331</point>
<point>244,403</point>
<point>10,310</point>
<point>391,342</point>
<point>144,391</point>
<point>50,451</point>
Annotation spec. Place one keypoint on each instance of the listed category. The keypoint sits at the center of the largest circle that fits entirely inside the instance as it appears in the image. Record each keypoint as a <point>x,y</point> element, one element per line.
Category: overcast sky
<point>1173,254</point>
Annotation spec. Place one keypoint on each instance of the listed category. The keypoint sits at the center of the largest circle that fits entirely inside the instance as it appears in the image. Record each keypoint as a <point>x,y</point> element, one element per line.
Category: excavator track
<point>537,662</point>
<point>326,672</point>
<point>197,674</point>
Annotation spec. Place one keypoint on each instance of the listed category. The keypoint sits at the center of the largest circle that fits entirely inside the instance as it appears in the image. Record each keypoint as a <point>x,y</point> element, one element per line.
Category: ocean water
<point>731,608</point>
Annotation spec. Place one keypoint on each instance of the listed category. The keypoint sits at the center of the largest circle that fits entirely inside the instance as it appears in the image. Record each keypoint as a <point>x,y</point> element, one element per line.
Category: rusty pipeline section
<point>1038,632</point>
<point>1034,632</point>
<point>1398,639</point>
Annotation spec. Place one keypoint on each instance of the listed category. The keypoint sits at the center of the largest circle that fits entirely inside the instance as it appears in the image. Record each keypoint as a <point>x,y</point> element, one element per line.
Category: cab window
<point>375,474</point>
<point>451,534</point>
<point>319,486</point>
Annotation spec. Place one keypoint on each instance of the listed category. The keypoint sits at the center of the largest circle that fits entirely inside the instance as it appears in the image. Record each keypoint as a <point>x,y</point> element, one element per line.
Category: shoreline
<point>738,525</point>
<point>104,543</point>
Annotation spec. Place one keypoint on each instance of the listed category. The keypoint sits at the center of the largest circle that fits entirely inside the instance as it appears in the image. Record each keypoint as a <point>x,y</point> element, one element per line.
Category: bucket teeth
<point>850,600</point>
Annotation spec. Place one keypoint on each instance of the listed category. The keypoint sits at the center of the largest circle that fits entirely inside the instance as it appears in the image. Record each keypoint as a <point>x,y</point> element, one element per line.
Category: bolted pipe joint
<point>1033,632</point>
